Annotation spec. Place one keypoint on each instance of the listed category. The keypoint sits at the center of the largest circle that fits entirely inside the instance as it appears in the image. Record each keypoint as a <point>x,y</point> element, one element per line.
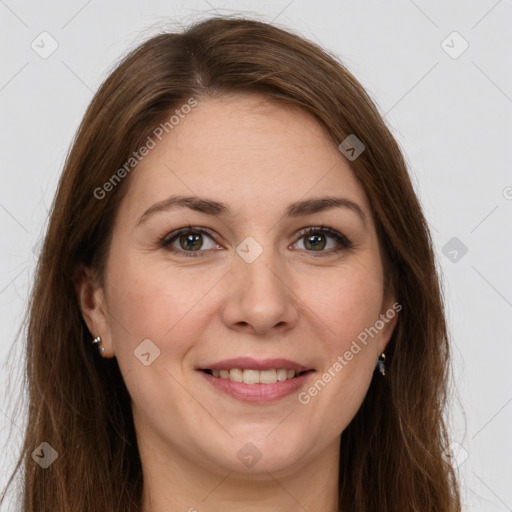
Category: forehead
<point>247,151</point>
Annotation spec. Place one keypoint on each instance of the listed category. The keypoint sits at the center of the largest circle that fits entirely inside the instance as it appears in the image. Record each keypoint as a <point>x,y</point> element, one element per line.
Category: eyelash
<point>343,241</point>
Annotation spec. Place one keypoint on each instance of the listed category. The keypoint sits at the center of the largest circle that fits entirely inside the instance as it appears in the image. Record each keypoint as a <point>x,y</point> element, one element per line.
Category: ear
<point>389,316</point>
<point>93,306</point>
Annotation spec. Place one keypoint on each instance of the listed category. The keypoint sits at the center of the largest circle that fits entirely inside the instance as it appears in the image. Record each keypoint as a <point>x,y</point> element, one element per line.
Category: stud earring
<point>98,341</point>
<point>380,364</point>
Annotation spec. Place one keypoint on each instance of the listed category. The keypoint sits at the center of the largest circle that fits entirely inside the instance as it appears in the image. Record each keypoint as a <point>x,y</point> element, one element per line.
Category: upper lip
<point>249,363</point>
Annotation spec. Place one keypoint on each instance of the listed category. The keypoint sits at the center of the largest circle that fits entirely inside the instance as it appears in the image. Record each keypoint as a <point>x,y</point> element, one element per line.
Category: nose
<point>260,296</point>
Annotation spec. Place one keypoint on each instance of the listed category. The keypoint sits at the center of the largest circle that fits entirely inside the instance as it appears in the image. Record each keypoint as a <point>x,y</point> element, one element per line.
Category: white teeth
<point>268,376</point>
<point>282,374</point>
<point>251,376</point>
<point>236,375</point>
<point>255,376</point>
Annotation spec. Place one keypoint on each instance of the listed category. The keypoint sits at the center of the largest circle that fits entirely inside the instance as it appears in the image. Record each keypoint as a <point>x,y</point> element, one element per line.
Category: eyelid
<point>326,230</point>
<point>343,242</point>
<point>165,242</point>
<point>180,231</point>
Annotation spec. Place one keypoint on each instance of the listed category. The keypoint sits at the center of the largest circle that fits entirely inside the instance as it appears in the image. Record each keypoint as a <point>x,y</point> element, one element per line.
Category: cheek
<point>349,304</point>
<point>346,313</point>
<point>154,299</point>
<point>155,305</point>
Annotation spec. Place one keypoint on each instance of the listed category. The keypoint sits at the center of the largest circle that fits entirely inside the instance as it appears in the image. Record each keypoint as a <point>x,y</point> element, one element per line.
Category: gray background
<point>450,111</point>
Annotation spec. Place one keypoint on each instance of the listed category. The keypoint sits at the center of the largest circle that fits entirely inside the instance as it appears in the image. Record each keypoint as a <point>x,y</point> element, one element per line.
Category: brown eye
<point>192,241</point>
<point>188,242</point>
<point>316,239</point>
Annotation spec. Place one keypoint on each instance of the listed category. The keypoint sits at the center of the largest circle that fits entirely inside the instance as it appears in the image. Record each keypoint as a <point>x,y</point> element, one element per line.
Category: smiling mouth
<point>250,376</point>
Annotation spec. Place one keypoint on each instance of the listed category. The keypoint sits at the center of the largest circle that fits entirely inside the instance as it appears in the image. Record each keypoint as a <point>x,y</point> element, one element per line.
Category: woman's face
<point>243,281</point>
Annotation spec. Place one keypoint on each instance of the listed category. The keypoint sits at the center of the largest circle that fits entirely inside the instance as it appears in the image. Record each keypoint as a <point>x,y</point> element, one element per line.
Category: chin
<point>262,452</point>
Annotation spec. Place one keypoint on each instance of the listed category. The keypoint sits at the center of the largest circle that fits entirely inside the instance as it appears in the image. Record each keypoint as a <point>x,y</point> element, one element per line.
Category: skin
<point>293,301</point>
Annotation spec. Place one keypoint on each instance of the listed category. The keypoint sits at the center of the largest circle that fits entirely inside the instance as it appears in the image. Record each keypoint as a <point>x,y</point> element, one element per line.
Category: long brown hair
<point>391,456</point>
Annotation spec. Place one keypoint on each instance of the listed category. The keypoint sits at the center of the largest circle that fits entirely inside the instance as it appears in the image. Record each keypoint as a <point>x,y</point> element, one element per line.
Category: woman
<point>236,305</point>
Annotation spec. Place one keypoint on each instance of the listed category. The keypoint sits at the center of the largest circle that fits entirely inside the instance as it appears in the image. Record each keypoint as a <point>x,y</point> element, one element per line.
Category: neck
<point>173,482</point>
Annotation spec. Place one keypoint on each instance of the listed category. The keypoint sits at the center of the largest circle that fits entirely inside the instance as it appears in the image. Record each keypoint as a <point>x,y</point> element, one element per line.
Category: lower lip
<point>258,392</point>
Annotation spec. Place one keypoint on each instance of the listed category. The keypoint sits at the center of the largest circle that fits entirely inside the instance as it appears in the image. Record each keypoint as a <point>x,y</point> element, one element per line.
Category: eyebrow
<point>211,207</point>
